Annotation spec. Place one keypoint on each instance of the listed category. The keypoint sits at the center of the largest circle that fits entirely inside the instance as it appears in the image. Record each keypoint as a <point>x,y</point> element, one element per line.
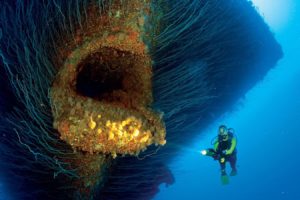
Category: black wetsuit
<point>231,158</point>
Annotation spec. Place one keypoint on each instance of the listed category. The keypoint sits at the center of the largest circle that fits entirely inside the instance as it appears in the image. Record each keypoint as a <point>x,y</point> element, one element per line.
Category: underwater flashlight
<point>204,152</point>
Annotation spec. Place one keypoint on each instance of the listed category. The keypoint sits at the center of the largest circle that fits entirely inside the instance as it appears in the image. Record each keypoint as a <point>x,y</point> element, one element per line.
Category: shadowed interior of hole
<point>100,74</point>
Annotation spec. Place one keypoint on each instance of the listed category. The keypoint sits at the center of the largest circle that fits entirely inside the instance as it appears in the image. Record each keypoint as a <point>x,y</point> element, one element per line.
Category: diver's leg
<point>224,177</point>
<point>222,165</point>
<point>232,160</point>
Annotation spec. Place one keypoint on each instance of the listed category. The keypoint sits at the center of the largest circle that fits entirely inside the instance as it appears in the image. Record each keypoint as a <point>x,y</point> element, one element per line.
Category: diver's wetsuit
<point>231,158</point>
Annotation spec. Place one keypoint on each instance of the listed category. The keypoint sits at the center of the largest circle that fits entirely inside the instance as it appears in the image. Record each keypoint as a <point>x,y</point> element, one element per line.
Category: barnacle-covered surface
<point>117,117</point>
<point>95,80</point>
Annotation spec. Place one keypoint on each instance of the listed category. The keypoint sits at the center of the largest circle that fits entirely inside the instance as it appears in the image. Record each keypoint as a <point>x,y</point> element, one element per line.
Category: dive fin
<point>225,179</point>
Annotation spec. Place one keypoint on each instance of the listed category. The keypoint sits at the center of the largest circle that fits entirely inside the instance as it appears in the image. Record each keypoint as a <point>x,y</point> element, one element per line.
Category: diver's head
<point>223,133</point>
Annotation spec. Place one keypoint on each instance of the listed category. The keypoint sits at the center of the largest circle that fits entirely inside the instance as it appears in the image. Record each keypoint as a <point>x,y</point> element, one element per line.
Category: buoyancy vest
<point>225,145</point>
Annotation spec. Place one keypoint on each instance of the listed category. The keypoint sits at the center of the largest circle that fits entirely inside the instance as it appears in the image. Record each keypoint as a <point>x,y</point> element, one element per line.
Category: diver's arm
<point>215,155</point>
<point>216,144</point>
<point>233,145</point>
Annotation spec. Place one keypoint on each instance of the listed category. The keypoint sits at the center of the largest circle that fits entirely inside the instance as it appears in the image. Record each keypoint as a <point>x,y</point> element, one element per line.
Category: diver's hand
<point>226,152</point>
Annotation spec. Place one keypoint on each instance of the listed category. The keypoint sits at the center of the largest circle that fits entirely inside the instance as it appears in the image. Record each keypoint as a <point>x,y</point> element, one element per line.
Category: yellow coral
<point>111,136</point>
<point>114,155</point>
<point>144,139</point>
<point>92,124</point>
<point>108,123</point>
<point>162,142</point>
<point>136,133</point>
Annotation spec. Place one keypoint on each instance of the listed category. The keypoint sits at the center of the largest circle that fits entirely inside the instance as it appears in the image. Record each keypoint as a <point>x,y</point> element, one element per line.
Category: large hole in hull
<point>97,77</point>
<point>115,76</point>
<point>102,73</point>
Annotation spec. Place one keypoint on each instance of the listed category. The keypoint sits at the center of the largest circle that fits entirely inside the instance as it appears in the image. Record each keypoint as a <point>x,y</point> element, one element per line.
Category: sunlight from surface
<point>276,13</point>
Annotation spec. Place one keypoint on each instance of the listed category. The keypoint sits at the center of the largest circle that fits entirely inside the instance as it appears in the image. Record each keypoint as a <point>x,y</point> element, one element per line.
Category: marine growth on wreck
<point>107,79</point>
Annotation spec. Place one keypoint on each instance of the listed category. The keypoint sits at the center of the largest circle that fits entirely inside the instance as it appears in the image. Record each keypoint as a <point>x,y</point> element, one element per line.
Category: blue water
<point>267,126</point>
<point>266,123</point>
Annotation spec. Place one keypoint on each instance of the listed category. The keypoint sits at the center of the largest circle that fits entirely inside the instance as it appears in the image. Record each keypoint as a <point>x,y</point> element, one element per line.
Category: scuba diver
<point>224,150</point>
